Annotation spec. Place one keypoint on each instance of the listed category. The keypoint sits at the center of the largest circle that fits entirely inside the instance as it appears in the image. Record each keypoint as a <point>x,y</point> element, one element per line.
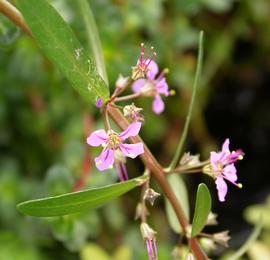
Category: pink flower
<point>153,85</point>
<point>222,168</point>
<point>112,142</point>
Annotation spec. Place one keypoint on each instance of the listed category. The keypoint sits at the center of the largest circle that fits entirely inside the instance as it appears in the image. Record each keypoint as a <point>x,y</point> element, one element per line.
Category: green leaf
<point>180,191</point>
<point>77,201</point>
<point>183,137</point>
<point>61,46</point>
<point>202,209</point>
<point>93,37</point>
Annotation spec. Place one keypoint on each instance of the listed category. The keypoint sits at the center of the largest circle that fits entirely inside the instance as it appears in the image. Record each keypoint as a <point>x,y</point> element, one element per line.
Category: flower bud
<point>121,81</point>
<point>190,256</point>
<point>208,244</point>
<point>147,232</point>
<point>150,195</point>
<point>222,238</point>
<point>149,236</point>
<point>189,159</point>
<point>212,219</point>
<point>132,112</point>
<point>141,210</point>
<point>99,103</point>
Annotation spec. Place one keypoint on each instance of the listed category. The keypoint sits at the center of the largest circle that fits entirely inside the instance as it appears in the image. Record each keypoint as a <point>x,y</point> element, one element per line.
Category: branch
<point>158,173</point>
<point>14,15</point>
<point>150,162</point>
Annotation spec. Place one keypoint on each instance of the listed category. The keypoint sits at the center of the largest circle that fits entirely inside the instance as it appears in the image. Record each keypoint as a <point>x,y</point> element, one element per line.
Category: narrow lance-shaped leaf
<point>77,201</point>
<point>183,137</point>
<point>93,37</point>
<point>61,46</point>
<point>180,191</point>
<point>202,209</point>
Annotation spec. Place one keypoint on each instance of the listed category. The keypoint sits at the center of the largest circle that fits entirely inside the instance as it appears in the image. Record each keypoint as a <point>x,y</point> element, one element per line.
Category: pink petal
<point>162,87</point>
<point>105,160</point>
<point>132,150</point>
<point>214,159</point>
<point>132,130</point>
<point>225,146</point>
<point>152,69</point>
<point>97,138</point>
<point>222,188</point>
<point>158,105</point>
<point>230,173</point>
<point>138,85</point>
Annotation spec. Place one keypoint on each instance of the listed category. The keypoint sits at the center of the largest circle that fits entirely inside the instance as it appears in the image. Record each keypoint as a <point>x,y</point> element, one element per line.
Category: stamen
<point>240,185</point>
<point>172,92</point>
<point>240,157</point>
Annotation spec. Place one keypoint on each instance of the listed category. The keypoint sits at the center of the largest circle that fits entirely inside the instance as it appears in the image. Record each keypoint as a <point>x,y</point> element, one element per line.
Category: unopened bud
<point>189,159</point>
<point>222,238</point>
<point>147,232</point>
<point>99,103</point>
<point>132,112</point>
<point>150,195</point>
<point>121,81</point>
<point>141,210</point>
<point>188,231</point>
<point>212,219</point>
<point>208,244</point>
<point>190,256</point>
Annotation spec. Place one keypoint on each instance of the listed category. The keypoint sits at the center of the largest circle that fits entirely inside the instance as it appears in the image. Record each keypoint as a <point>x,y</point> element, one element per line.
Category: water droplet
<point>78,53</point>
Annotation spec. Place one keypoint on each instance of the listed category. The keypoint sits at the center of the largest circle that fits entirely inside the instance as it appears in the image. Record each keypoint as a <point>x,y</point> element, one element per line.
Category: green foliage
<point>202,209</point>
<point>180,191</point>
<point>62,47</point>
<point>76,201</point>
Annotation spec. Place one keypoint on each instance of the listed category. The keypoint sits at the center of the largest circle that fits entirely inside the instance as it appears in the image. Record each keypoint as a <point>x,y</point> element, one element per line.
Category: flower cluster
<point>113,143</point>
<point>222,168</point>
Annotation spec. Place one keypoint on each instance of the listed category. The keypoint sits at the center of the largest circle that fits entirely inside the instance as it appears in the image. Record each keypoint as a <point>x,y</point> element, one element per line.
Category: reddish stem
<point>158,172</point>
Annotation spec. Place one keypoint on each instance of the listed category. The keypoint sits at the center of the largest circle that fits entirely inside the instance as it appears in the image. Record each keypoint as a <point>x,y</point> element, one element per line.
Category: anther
<point>240,185</point>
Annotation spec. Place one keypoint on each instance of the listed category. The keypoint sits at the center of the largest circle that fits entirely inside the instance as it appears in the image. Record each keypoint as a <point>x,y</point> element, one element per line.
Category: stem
<point>128,97</point>
<point>188,171</point>
<point>118,91</point>
<point>147,157</point>
<point>14,15</point>
<point>179,149</point>
<point>158,173</point>
<point>198,166</point>
<point>106,119</point>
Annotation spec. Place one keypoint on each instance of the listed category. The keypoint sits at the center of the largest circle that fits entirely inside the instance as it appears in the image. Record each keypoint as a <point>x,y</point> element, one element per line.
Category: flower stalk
<point>157,171</point>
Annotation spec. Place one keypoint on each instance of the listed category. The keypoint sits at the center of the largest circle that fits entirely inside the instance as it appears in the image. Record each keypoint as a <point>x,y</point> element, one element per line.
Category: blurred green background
<point>44,123</point>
